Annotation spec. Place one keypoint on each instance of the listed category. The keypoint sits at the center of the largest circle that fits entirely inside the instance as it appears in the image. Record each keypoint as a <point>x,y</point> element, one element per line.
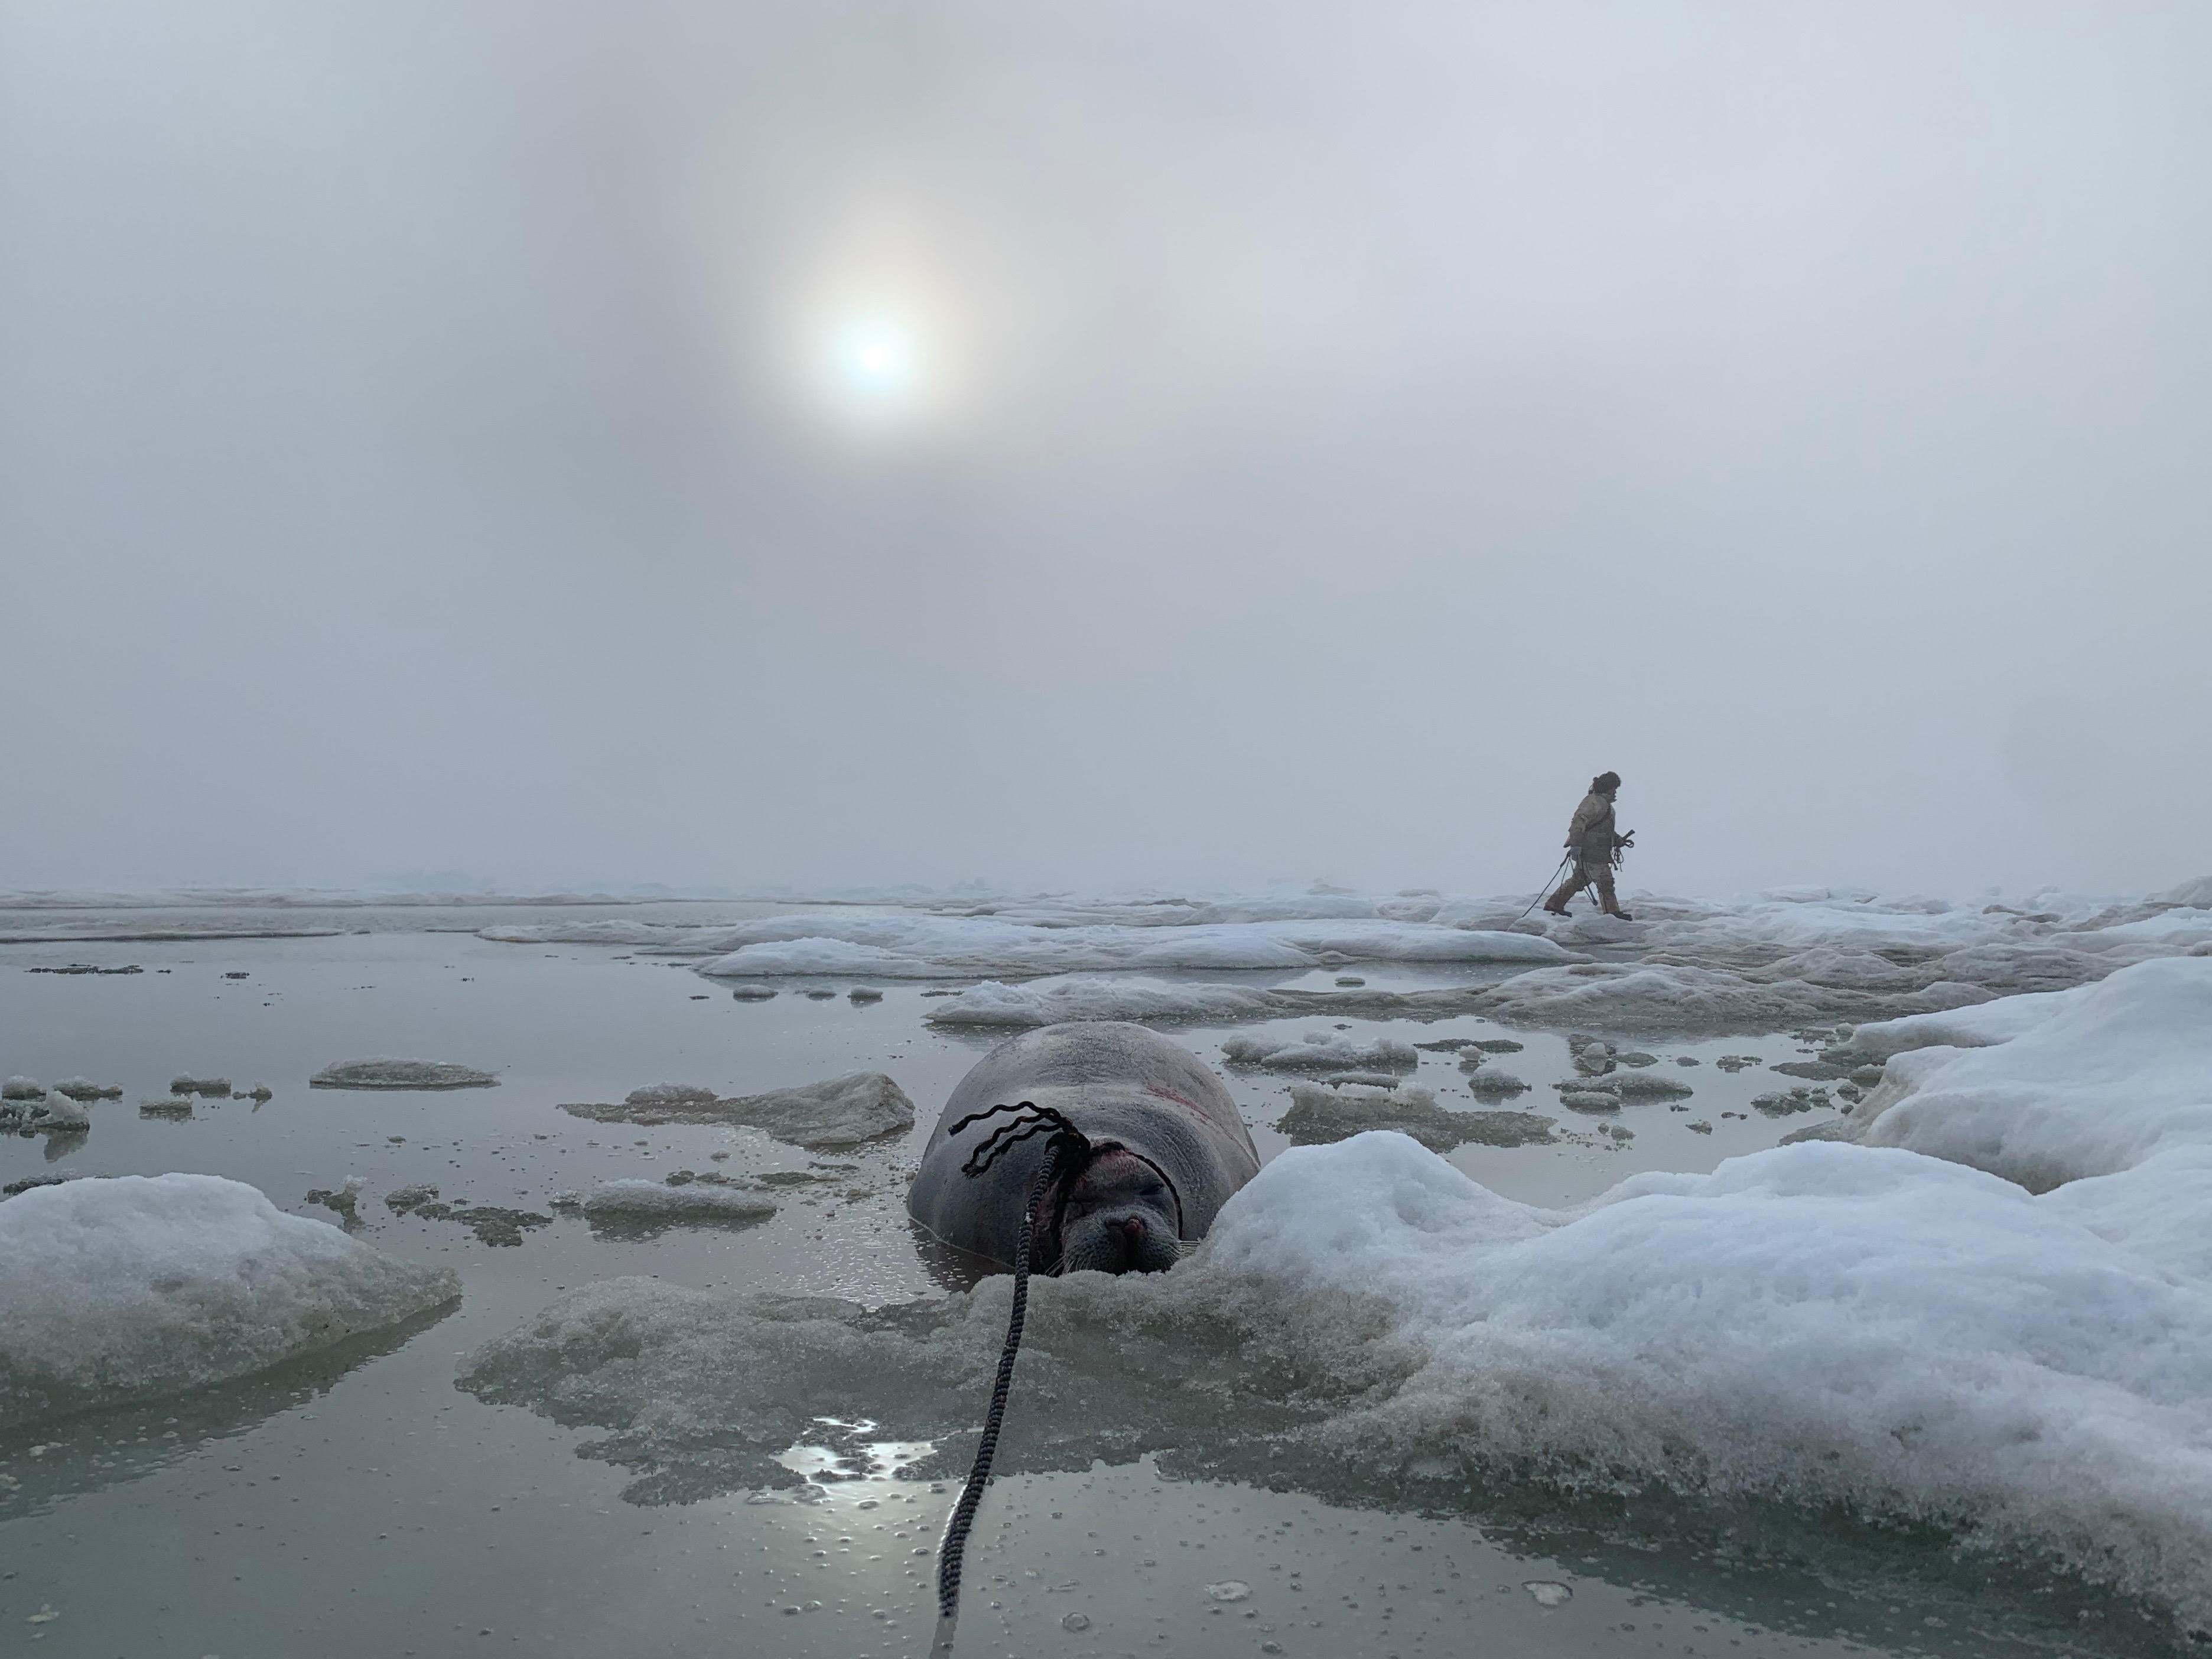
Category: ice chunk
<point>208,1088</point>
<point>1084,996</point>
<point>79,1088</point>
<point>398,1075</point>
<point>651,1205</point>
<point>1321,1052</point>
<point>1319,1115</point>
<point>22,1088</point>
<point>842,1111</point>
<point>1495,1085</point>
<point>44,1114</point>
<point>670,1094</point>
<point>131,1287</point>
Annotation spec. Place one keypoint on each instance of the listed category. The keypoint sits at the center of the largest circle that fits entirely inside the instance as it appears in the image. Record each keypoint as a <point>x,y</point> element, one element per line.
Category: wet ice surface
<point>357,1499</point>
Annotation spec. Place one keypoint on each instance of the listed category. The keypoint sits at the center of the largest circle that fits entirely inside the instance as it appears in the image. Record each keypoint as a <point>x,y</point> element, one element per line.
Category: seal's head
<point>1119,1216</point>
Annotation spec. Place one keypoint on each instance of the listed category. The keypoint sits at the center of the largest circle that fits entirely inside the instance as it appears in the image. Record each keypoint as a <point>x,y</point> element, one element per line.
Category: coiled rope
<point>1066,1148</point>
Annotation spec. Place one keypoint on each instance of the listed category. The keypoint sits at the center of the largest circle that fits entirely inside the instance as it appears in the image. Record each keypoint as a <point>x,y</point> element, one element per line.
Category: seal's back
<point>1115,1082</point>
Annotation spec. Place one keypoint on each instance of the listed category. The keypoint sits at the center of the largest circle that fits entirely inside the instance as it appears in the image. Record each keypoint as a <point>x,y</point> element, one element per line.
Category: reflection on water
<point>51,1459</point>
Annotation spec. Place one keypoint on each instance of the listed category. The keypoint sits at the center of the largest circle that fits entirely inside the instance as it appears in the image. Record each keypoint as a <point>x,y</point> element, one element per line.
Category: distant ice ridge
<point>936,947</point>
<point>132,1287</point>
<point>1788,957</point>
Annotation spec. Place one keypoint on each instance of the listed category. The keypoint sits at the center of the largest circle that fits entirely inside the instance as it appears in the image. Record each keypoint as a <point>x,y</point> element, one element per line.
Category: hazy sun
<point>877,361</point>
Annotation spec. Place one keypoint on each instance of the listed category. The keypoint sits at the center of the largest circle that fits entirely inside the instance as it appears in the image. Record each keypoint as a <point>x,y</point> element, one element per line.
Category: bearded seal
<point>1169,1150</point>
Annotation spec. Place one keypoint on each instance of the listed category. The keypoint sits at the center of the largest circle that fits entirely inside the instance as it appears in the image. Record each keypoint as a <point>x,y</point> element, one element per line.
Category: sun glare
<point>876,359</point>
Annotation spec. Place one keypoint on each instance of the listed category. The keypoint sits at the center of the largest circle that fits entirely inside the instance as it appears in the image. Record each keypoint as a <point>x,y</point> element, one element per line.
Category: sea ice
<point>1320,1114</point>
<point>843,1111</point>
<point>43,1114</point>
<point>131,1287</point>
<point>79,1088</point>
<point>1322,1051</point>
<point>1097,997</point>
<point>398,1075</point>
<point>22,1088</point>
<point>654,1205</point>
<point>1834,1325</point>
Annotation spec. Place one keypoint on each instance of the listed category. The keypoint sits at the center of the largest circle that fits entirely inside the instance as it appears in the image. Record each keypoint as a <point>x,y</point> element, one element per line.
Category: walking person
<point>1594,844</point>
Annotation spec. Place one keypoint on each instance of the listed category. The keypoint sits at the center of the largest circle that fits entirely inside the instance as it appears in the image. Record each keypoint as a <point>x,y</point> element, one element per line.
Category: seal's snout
<point>1120,1217</point>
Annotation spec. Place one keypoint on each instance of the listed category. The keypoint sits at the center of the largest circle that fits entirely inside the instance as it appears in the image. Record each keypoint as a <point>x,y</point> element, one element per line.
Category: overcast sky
<point>1154,442</point>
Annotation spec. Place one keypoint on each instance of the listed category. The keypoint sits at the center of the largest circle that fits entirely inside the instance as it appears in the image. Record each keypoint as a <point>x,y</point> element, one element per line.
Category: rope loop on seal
<point>1066,1146</point>
<point>1027,1119</point>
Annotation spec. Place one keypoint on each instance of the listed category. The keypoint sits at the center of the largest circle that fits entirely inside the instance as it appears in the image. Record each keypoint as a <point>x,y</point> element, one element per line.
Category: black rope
<point>1066,1145</point>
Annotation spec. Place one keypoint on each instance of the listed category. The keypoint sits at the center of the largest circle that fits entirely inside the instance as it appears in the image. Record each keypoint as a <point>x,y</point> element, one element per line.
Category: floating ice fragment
<point>652,1205</point>
<point>1548,1592</point>
<point>1229,1589</point>
<point>208,1088</point>
<point>78,1088</point>
<point>22,1088</point>
<point>398,1075</point>
<point>1321,1054</point>
<point>1319,1115</point>
<point>840,1112</point>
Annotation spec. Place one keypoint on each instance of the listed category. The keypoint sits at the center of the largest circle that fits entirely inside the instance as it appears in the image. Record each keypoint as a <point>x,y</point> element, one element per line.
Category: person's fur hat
<point>1605,781</point>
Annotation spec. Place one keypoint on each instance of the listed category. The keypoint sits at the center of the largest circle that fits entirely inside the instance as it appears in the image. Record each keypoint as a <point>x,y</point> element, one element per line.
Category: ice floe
<point>651,1205</point>
<point>925,947</point>
<point>1322,1051</point>
<point>399,1074</point>
<point>131,1287</point>
<point>841,1111</point>
<point>1319,1115</point>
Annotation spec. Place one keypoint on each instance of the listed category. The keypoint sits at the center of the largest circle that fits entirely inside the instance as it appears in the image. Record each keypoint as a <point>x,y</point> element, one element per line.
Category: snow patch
<point>131,1287</point>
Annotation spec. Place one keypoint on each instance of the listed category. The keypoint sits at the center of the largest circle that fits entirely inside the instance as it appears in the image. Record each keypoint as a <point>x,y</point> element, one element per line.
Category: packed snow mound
<point>398,1075</point>
<point>1976,1026</point>
<point>131,1287</point>
<point>1322,1051</point>
<point>1781,1324</point>
<point>2108,1081</point>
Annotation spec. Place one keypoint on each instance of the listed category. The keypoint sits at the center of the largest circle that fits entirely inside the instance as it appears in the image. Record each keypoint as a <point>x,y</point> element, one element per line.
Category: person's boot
<point>1557,904</point>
